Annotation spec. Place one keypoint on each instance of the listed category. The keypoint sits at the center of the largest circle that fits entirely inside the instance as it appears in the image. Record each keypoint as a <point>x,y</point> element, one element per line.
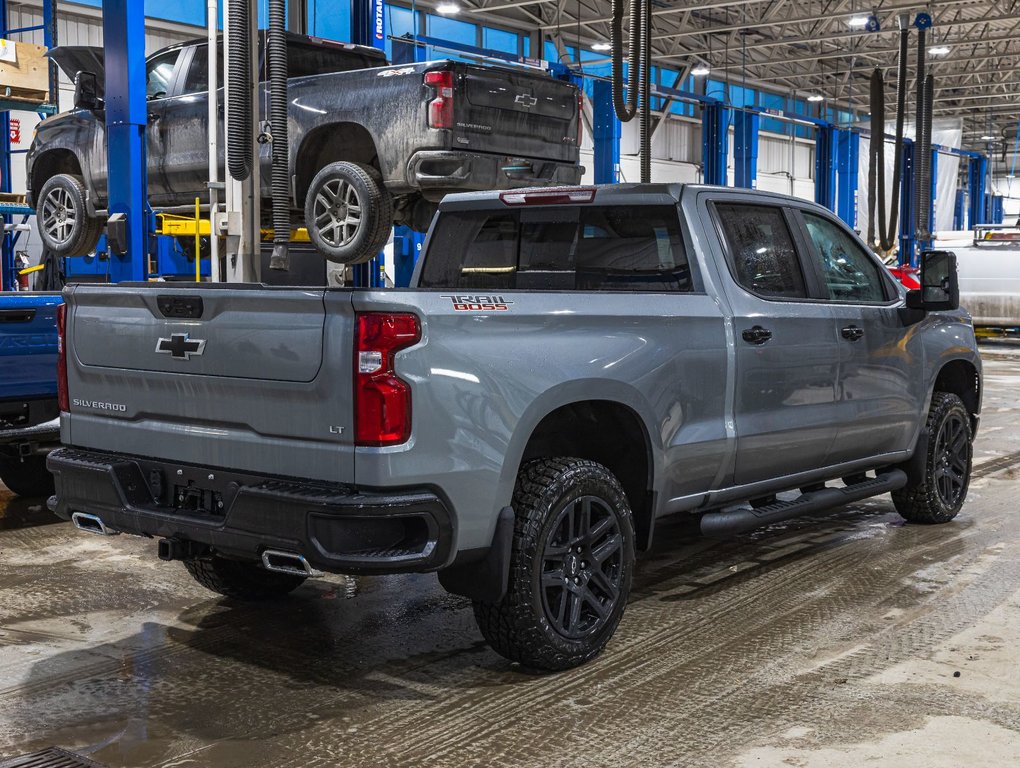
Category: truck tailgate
<point>524,114</point>
<point>28,345</point>
<point>247,378</point>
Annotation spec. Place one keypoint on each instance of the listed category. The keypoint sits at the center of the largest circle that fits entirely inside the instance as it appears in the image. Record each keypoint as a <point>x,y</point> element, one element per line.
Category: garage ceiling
<point>808,46</point>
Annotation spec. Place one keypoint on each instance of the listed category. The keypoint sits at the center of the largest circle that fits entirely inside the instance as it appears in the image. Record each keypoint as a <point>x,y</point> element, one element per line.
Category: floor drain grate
<point>54,757</point>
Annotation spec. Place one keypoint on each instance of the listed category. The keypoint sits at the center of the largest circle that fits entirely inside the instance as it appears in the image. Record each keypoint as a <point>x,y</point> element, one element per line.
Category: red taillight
<point>580,118</point>
<point>441,106</point>
<point>382,400</point>
<point>548,196</point>
<point>62,399</point>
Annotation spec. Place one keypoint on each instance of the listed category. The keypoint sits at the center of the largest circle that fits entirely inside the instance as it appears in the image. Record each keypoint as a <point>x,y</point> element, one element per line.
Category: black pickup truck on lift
<point>371,145</point>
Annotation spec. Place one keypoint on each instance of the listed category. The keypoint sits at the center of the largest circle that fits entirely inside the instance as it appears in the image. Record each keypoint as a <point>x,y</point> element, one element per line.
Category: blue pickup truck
<point>29,416</point>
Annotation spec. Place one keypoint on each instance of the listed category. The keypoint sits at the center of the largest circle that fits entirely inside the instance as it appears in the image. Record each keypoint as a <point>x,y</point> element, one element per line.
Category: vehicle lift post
<point>745,148</point>
<point>848,149</point>
<point>826,165</point>
<point>126,120</point>
<point>714,142</point>
<point>977,173</point>
<point>605,133</point>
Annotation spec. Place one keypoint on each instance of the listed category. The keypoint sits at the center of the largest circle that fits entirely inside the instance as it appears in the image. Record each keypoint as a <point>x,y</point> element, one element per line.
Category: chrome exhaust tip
<point>91,524</point>
<point>287,562</point>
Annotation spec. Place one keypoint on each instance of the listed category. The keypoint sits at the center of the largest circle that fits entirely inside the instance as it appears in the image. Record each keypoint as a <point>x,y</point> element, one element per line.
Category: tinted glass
<point>159,73</point>
<point>587,248</point>
<point>848,272</point>
<point>761,251</point>
<point>198,72</point>
<point>305,60</point>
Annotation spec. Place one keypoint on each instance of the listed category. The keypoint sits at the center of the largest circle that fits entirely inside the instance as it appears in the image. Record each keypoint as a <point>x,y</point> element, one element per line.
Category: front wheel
<point>571,566</point>
<point>938,496</point>
<point>64,224</point>
<point>348,213</point>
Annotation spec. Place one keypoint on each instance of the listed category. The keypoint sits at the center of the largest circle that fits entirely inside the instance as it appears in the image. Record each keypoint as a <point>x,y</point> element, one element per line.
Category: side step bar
<point>733,521</point>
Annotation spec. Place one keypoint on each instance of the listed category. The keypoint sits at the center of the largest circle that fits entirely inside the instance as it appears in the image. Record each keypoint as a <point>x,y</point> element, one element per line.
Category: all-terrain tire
<point>530,624</point>
<point>64,224</point>
<point>27,477</point>
<point>939,495</point>
<point>348,213</point>
<point>241,580</point>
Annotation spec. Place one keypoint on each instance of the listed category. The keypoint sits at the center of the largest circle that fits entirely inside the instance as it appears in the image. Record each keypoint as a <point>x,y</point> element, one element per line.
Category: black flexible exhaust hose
<point>625,108</point>
<point>920,157</point>
<point>924,182</point>
<point>876,179</point>
<point>646,92</point>
<point>239,115</point>
<point>889,236</point>
<point>277,48</point>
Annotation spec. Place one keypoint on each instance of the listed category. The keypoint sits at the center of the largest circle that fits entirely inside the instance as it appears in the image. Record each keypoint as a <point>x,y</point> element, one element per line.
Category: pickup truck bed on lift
<point>28,390</point>
<point>571,365</point>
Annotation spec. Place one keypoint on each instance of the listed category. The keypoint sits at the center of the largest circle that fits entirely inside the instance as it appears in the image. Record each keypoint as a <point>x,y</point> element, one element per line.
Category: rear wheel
<point>241,580</point>
<point>571,566</point>
<point>27,477</point>
<point>938,496</point>
<point>348,213</point>
<point>64,223</point>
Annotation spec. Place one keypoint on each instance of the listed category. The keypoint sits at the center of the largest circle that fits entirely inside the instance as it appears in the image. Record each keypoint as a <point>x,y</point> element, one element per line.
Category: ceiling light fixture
<point>700,70</point>
<point>448,9</point>
<point>939,50</point>
<point>601,47</point>
<point>815,97</point>
<point>989,138</point>
<point>858,21</point>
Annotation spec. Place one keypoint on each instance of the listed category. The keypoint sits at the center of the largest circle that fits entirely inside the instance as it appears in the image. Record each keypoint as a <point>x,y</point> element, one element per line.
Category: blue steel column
<point>745,148</point>
<point>605,133</point>
<point>908,230</point>
<point>825,166</point>
<point>368,28</point>
<point>714,143</point>
<point>126,116</point>
<point>848,149</point>
<point>976,175</point>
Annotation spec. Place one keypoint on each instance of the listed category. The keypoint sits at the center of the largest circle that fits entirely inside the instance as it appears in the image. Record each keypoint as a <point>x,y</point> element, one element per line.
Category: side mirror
<point>86,92</point>
<point>940,283</point>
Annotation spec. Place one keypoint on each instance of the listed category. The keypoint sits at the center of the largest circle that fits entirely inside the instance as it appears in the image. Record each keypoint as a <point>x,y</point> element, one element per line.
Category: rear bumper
<point>336,528</point>
<point>444,170</point>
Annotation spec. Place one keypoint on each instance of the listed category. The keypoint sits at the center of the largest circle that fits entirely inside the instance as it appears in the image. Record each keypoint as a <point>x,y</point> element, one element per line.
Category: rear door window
<point>570,248</point>
<point>761,251</point>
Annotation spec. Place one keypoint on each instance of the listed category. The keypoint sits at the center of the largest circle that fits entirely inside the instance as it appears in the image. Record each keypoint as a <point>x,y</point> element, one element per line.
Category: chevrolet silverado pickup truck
<point>570,366</point>
<point>29,425</point>
<point>370,144</point>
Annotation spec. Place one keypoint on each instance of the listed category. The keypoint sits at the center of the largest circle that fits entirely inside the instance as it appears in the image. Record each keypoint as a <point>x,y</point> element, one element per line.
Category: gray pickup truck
<point>570,366</point>
<point>370,144</point>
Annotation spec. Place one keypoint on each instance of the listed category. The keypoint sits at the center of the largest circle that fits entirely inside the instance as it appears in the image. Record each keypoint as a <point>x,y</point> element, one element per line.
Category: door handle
<point>220,109</point>
<point>154,116</point>
<point>756,335</point>
<point>852,332</point>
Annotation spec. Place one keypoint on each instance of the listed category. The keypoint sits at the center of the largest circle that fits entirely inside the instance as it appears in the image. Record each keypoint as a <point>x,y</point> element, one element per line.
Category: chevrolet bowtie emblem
<point>525,100</point>
<point>180,347</point>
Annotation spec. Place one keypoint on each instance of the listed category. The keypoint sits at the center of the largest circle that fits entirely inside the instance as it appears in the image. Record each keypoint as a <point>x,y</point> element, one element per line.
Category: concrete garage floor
<point>842,641</point>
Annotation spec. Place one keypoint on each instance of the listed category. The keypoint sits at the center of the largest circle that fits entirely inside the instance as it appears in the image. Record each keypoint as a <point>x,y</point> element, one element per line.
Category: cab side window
<point>848,272</point>
<point>760,250</point>
<point>198,73</point>
<point>159,73</point>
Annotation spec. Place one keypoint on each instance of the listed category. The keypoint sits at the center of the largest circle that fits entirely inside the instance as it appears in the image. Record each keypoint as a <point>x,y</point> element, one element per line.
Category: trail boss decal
<point>484,303</point>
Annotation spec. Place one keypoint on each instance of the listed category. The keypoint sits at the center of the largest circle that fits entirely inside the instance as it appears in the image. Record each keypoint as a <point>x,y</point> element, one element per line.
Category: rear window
<point>305,60</point>
<point>575,248</point>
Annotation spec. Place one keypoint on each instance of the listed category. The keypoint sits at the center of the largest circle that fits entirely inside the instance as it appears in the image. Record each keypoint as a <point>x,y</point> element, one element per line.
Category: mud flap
<point>484,575</point>
<point>914,467</point>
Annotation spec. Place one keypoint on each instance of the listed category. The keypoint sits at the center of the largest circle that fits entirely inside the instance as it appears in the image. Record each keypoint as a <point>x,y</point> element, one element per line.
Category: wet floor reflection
<point>19,512</point>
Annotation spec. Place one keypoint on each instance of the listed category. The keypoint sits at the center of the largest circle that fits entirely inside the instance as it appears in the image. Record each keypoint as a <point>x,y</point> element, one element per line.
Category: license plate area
<point>191,491</point>
<point>191,499</point>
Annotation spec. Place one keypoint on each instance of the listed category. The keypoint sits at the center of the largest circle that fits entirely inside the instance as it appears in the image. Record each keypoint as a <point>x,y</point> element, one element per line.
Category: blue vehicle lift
<point>8,274</point>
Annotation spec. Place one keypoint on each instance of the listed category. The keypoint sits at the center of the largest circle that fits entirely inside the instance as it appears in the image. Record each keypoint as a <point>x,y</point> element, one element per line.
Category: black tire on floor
<point>27,477</point>
<point>64,224</point>
<point>940,494</point>
<point>241,580</point>
<point>571,566</point>
<point>348,213</point>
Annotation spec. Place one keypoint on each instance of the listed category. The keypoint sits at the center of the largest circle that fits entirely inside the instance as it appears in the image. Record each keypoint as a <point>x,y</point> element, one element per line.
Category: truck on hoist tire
<point>371,145</point>
<point>569,366</point>
<point>29,416</point>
